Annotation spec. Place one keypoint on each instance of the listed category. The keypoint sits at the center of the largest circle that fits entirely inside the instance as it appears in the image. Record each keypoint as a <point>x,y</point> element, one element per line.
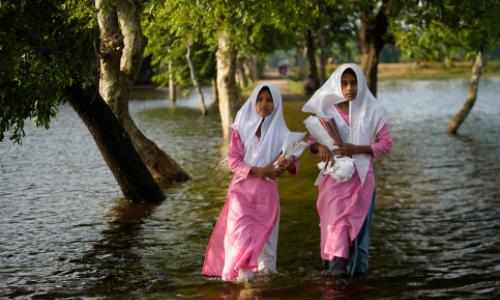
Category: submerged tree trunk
<point>371,39</point>
<point>459,118</point>
<point>172,87</point>
<point>194,80</point>
<point>115,145</point>
<point>226,81</point>
<point>121,53</point>
<point>311,56</point>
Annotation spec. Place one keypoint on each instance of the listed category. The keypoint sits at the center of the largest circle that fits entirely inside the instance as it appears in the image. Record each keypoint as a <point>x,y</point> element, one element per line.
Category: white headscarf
<point>366,115</point>
<point>259,153</point>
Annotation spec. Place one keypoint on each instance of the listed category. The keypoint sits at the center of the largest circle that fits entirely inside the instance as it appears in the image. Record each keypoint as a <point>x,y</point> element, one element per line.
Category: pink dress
<point>343,206</point>
<point>245,224</point>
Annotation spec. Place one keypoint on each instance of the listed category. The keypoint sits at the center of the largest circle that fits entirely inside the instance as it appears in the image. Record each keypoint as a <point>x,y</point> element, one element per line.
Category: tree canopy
<point>39,41</point>
<point>436,30</point>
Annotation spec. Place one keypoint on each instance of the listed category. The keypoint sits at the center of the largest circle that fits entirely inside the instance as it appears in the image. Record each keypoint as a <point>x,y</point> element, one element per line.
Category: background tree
<point>121,54</point>
<point>234,31</point>
<point>48,58</point>
<point>170,33</point>
<point>374,33</point>
<point>432,29</point>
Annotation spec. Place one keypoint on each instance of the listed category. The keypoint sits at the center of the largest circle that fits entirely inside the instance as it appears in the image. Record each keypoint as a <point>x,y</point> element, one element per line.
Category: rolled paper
<point>318,132</point>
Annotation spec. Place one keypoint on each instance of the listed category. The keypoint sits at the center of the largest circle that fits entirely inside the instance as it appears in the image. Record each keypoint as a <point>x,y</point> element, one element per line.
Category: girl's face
<point>349,86</point>
<point>264,105</point>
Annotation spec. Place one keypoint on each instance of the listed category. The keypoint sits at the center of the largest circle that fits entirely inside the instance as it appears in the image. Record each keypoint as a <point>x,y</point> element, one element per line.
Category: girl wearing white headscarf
<point>244,240</point>
<point>344,207</point>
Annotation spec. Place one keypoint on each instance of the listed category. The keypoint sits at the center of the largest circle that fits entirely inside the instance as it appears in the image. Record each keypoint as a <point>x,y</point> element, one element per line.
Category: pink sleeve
<point>383,143</point>
<point>236,154</point>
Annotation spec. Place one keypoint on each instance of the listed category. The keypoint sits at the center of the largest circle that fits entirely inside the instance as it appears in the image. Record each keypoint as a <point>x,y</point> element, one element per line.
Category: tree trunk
<point>252,67</point>
<point>459,118</point>
<point>241,75</point>
<point>311,57</point>
<point>371,39</point>
<point>299,61</point>
<point>121,52</point>
<point>172,87</point>
<point>226,82</point>
<point>115,145</point>
<point>194,80</point>
<point>248,69</point>
<point>215,91</point>
<point>323,57</point>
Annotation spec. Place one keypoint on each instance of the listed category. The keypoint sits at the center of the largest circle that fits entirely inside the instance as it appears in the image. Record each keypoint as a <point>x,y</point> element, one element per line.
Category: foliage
<point>39,41</point>
<point>436,30</point>
<point>169,32</point>
<point>255,27</point>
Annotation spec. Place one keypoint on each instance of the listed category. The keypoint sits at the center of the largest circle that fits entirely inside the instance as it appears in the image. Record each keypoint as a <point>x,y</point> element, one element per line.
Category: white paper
<point>294,144</point>
<point>319,133</point>
<point>342,170</point>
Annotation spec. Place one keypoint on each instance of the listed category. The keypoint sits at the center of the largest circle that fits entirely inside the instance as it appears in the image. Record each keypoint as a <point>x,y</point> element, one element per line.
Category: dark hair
<point>350,71</point>
<point>265,88</point>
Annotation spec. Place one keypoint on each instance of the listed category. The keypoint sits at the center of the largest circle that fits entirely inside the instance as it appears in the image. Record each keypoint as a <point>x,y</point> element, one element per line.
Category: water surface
<point>66,233</point>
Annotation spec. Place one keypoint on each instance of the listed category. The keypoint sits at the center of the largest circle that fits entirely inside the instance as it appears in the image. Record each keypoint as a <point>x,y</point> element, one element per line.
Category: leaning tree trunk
<point>371,42</point>
<point>194,80</point>
<point>226,82</point>
<point>121,53</point>
<point>115,145</point>
<point>460,117</point>
<point>311,56</point>
<point>172,87</point>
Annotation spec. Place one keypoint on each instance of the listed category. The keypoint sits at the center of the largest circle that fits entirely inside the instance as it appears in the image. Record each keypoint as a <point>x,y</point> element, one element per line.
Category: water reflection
<point>121,245</point>
<point>315,289</point>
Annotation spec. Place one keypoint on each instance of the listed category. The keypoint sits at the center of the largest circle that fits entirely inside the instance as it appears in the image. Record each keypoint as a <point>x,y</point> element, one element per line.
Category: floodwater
<point>66,233</point>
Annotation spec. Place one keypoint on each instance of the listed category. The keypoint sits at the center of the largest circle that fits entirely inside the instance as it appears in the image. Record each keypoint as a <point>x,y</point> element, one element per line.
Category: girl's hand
<point>324,153</point>
<point>272,172</point>
<point>282,163</point>
<point>268,171</point>
<point>346,150</point>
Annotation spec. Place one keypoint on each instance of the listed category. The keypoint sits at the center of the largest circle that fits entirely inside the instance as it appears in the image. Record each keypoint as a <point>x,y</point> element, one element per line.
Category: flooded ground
<point>67,234</point>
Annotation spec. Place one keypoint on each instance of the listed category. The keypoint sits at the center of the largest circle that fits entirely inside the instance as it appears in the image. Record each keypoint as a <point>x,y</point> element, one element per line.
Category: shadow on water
<point>113,266</point>
<point>121,246</point>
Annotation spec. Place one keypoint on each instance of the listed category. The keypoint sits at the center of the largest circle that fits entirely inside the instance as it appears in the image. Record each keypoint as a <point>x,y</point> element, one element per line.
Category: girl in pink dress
<point>244,239</point>
<point>344,207</point>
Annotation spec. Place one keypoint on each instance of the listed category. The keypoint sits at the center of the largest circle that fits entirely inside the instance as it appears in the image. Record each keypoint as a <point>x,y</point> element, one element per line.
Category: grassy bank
<point>433,70</point>
<point>426,70</point>
<point>407,71</point>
